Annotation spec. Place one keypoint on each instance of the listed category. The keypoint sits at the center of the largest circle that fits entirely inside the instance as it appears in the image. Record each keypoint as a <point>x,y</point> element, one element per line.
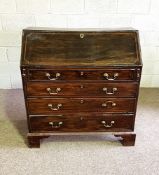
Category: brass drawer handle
<point>56,108</point>
<point>57,75</point>
<point>55,124</point>
<point>51,92</point>
<point>108,102</point>
<point>106,75</point>
<point>107,125</point>
<point>109,93</point>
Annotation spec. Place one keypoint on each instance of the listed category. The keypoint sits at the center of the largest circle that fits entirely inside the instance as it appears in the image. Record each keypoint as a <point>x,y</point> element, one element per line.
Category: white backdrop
<point>18,14</point>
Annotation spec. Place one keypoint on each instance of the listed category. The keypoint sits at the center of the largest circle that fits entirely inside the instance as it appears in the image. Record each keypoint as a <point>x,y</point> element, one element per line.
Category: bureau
<point>80,82</point>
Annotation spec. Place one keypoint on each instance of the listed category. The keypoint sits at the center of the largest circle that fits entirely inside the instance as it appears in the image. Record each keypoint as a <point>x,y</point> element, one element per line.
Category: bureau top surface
<point>80,47</point>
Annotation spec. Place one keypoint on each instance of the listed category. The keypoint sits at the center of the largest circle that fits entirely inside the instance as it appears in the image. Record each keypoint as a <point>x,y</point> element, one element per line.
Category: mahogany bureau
<point>80,82</point>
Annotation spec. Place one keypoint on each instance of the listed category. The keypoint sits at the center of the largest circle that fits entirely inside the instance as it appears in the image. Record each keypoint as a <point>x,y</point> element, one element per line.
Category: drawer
<point>57,105</point>
<point>82,123</point>
<point>78,75</point>
<point>50,89</point>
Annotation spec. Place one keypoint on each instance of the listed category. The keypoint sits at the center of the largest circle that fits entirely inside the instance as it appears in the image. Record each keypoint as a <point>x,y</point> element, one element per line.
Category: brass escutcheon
<point>81,73</point>
<point>81,101</point>
<point>81,35</point>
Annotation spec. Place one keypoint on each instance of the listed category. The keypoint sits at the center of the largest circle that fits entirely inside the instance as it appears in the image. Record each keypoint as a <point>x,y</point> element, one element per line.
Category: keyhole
<point>81,35</point>
<point>81,118</point>
<point>81,86</point>
<point>81,73</point>
<point>82,101</point>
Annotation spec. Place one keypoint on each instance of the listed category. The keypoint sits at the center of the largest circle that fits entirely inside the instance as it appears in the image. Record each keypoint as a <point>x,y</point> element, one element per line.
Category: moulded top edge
<point>129,29</point>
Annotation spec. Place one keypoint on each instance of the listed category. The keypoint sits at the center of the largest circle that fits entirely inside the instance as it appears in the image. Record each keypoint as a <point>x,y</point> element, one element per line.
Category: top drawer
<point>82,75</point>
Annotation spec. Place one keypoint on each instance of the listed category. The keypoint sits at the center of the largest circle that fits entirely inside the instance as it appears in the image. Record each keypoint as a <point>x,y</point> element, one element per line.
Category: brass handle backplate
<point>107,125</point>
<point>107,104</point>
<point>57,75</point>
<point>107,76</point>
<point>53,92</point>
<point>109,93</point>
<point>55,124</point>
<point>54,108</point>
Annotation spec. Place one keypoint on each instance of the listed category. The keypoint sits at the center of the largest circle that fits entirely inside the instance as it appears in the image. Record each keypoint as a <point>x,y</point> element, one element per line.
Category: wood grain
<point>82,123</point>
<point>57,47</point>
<point>81,89</point>
<point>82,75</point>
<point>40,106</point>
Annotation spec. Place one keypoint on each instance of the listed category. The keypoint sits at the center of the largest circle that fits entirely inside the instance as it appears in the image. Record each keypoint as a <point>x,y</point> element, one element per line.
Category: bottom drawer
<point>82,123</point>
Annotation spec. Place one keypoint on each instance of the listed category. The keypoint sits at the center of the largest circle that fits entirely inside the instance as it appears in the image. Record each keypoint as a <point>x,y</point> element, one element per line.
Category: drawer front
<point>82,123</point>
<point>50,89</point>
<point>58,105</point>
<point>78,75</point>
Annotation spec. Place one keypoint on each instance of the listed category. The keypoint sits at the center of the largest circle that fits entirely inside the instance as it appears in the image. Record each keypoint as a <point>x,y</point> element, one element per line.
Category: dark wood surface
<point>80,48</point>
<point>82,123</point>
<point>80,81</point>
<point>127,139</point>
<point>83,75</point>
<point>40,106</point>
<point>60,89</point>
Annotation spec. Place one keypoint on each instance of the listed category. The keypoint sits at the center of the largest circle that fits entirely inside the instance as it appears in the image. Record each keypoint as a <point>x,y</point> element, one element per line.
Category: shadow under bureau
<point>80,82</point>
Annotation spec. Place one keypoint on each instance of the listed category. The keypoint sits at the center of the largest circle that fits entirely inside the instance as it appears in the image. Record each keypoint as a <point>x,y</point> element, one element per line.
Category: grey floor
<point>78,155</point>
